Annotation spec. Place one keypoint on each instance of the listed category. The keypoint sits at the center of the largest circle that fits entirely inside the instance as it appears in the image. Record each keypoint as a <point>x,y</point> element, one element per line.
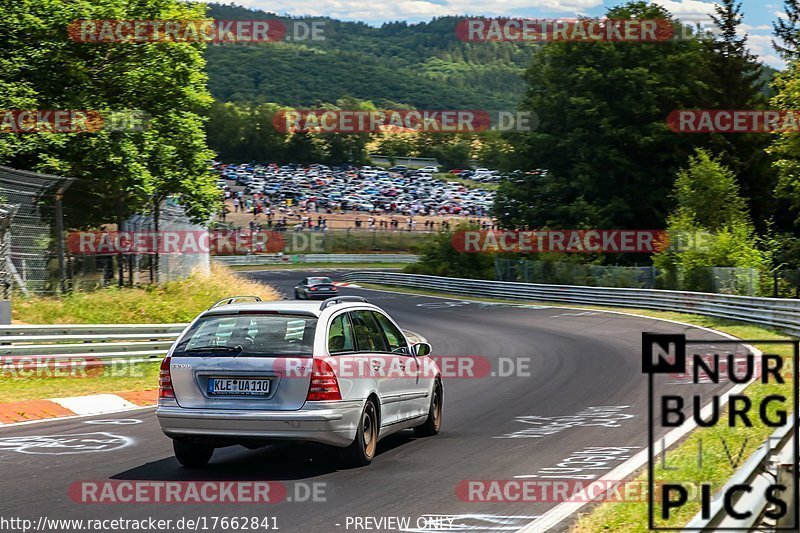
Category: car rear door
<point>245,361</point>
<point>371,344</point>
<point>351,368</point>
<point>416,379</point>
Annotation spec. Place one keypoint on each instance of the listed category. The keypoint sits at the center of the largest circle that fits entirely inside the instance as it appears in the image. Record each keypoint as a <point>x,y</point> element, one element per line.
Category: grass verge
<point>173,302</point>
<point>720,445</point>
<point>176,301</point>
<point>100,380</point>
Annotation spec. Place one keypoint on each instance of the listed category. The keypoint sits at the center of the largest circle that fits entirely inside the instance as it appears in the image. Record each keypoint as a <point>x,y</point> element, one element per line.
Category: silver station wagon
<point>340,373</point>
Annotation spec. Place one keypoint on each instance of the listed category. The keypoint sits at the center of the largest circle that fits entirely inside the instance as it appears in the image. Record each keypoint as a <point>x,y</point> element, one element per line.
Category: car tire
<point>192,454</point>
<point>362,450</point>
<point>433,424</point>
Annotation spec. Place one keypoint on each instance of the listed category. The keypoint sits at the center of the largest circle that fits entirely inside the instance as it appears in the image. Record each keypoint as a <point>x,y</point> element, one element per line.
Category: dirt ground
<point>348,219</point>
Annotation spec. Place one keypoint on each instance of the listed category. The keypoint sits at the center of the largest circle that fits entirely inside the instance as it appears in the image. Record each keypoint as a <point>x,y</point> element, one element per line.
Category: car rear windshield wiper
<point>202,349</point>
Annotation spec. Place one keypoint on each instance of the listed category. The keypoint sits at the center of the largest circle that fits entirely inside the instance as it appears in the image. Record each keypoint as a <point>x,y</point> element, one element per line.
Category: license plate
<point>238,386</point>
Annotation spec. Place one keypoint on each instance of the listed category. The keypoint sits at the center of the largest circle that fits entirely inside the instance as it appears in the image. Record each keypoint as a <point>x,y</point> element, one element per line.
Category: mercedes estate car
<point>338,372</point>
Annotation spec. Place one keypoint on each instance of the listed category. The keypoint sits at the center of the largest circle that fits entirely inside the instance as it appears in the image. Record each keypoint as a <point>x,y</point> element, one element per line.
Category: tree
<point>302,149</point>
<point>707,194</point>
<point>734,81</point>
<point>788,31</point>
<point>785,148</point>
<point>710,226</point>
<point>611,160</point>
<point>117,171</point>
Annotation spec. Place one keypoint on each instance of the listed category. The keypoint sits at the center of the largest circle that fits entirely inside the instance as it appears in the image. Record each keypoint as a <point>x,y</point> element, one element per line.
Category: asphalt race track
<point>577,360</point>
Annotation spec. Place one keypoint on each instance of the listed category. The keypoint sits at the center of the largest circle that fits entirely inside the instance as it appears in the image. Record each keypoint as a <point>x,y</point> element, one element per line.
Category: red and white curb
<point>345,284</point>
<point>26,412</point>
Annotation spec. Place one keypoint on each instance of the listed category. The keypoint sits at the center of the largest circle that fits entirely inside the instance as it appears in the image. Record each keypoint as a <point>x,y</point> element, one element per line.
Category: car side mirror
<point>421,349</point>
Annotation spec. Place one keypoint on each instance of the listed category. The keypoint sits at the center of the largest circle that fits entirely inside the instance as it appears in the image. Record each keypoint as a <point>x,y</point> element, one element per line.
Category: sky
<point>758,16</point>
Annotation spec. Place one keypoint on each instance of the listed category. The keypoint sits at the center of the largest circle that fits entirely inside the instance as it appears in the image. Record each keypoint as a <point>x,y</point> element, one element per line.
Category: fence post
<point>774,283</point>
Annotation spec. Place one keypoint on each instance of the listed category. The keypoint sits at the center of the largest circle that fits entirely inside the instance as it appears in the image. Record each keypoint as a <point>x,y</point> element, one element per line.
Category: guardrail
<point>770,462</point>
<point>277,259</point>
<point>97,343</point>
<point>778,313</point>
<point>92,344</point>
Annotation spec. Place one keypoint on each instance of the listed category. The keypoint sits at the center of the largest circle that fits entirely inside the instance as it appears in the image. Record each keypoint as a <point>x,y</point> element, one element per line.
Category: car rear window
<point>249,335</point>
<point>319,281</point>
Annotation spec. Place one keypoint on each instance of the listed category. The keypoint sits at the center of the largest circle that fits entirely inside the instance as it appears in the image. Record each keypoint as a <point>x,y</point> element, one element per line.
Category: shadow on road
<point>282,462</point>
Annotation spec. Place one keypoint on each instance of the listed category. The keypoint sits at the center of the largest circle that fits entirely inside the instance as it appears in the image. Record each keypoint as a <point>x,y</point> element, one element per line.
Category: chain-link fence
<point>7,271</point>
<point>561,273</point>
<point>786,283</point>
<point>722,280</point>
<point>89,271</point>
<point>34,250</point>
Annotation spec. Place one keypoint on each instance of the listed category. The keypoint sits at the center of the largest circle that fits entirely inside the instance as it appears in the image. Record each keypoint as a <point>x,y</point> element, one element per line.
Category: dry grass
<point>177,301</point>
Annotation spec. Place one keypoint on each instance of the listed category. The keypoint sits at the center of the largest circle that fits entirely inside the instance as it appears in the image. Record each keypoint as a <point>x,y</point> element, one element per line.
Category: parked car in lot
<point>357,189</point>
<point>255,373</point>
<point>315,287</point>
<point>430,170</point>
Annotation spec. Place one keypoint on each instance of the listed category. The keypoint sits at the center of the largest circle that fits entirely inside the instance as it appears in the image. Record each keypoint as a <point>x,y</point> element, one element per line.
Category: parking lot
<point>352,197</point>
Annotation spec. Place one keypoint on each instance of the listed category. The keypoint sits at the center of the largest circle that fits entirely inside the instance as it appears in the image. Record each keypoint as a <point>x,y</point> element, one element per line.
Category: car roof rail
<point>232,299</point>
<point>341,299</point>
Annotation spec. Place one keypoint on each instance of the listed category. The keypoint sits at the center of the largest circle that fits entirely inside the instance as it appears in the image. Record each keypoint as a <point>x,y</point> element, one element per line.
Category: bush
<point>440,258</point>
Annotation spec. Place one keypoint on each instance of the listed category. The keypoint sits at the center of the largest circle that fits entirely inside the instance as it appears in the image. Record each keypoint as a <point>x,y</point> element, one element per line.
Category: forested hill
<point>422,65</point>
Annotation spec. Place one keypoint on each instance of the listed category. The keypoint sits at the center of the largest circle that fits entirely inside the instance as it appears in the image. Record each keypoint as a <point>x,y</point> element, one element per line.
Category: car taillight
<point>324,385</point>
<point>165,389</point>
<point>312,289</point>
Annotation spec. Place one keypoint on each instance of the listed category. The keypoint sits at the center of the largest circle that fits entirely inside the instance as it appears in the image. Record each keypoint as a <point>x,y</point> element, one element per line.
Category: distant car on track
<point>315,288</point>
<point>257,373</point>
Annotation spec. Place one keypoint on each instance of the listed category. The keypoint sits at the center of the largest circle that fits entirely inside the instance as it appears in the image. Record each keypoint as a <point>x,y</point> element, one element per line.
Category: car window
<point>368,334</point>
<point>319,281</point>
<point>340,335</point>
<point>395,338</point>
<point>252,335</point>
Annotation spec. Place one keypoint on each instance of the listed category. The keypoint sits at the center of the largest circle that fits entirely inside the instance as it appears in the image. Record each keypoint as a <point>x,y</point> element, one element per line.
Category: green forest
<point>398,64</point>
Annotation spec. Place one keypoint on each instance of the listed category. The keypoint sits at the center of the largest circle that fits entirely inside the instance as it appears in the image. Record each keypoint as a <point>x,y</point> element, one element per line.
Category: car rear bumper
<point>332,423</point>
<point>322,295</point>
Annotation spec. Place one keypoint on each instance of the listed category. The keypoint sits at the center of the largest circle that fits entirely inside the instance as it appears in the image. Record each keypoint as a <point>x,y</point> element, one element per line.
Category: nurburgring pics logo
<point>548,30</point>
<point>402,120</point>
<point>670,406</point>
